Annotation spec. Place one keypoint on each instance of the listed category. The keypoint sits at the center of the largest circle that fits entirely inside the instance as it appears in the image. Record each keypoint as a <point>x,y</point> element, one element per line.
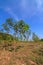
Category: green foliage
<point>23,27</point>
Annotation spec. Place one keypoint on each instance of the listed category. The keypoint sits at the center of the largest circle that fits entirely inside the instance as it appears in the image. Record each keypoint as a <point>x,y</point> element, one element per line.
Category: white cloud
<point>23,3</point>
<point>10,11</point>
<point>39,4</point>
<point>27,8</point>
<point>30,8</point>
<point>26,4</point>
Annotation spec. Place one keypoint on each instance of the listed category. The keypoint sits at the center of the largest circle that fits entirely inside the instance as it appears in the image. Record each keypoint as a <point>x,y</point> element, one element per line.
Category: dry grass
<point>21,53</point>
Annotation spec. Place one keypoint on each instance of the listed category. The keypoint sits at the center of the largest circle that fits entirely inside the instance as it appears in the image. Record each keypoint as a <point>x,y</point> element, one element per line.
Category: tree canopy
<point>19,28</point>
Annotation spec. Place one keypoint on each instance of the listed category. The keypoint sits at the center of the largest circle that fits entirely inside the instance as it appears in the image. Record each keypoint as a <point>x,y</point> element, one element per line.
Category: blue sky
<point>31,11</point>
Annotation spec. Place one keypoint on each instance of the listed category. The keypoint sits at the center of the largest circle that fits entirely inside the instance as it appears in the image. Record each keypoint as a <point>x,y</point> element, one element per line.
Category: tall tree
<point>19,28</point>
<point>22,28</point>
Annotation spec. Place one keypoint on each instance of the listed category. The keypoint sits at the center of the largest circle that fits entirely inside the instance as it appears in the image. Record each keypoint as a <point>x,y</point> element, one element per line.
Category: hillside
<point>21,53</point>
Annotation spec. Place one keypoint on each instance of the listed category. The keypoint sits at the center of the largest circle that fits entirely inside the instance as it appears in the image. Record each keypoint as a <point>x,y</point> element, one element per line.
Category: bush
<point>35,37</point>
<point>41,40</point>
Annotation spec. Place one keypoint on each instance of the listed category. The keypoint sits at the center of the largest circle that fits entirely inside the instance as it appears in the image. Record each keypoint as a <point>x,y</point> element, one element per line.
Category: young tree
<point>35,37</point>
<point>28,35</point>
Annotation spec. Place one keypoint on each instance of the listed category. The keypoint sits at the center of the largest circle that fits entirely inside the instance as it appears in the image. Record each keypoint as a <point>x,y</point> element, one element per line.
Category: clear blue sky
<point>31,11</point>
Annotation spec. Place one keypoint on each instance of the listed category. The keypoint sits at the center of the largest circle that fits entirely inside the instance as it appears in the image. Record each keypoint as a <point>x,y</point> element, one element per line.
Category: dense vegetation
<point>5,36</point>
